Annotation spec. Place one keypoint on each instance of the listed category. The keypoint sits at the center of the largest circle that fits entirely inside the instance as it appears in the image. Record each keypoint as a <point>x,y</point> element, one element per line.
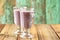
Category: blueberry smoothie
<point>26,19</point>
<point>17,16</point>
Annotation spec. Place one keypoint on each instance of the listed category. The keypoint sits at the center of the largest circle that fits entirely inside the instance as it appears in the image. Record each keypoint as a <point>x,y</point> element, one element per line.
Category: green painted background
<point>46,11</point>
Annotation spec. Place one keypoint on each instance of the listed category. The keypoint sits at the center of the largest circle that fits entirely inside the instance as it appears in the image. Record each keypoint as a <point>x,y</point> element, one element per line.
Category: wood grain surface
<point>39,31</point>
<point>56,28</point>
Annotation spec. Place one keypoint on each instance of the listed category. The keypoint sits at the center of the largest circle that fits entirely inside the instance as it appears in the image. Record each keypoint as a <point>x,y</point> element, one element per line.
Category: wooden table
<point>39,31</point>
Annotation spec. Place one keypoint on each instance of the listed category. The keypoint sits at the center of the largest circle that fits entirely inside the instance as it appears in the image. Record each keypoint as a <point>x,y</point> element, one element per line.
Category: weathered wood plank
<point>40,12</point>
<point>8,29</point>
<point>58,34</point>
<point>39,31</point>
<point>10,38</point>
<point>46,33</point>
<point>7,17</point>
<point>1,27</point>
<point>52,11</point>
<point>56,27</point>
<point>4,37</point>
<point>21,3</point>
<point>46,11</point>
<point>1,7</point>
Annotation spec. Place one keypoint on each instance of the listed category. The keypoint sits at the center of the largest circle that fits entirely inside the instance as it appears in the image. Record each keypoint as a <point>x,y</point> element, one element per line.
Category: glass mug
<point>26,19</point>
<point>16,12</point>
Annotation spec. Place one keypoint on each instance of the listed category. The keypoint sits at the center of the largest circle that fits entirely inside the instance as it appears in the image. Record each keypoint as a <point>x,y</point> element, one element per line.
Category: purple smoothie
<point>27,19</point>
<point>17,17</point>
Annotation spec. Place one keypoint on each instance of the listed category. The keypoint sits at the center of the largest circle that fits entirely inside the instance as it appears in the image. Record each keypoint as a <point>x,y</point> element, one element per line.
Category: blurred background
<point>46,11</point>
